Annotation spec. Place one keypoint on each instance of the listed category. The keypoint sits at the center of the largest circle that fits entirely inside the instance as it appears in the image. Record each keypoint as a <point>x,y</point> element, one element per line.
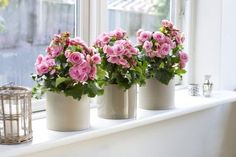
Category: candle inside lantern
<point>11,128</point>
<point>12,119</point>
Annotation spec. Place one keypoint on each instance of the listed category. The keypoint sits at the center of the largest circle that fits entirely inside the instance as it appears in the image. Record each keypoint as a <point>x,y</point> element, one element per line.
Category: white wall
<point>214,48</point>
<point>206,133</point>
<point>207,46</point>
<point>228,48</point>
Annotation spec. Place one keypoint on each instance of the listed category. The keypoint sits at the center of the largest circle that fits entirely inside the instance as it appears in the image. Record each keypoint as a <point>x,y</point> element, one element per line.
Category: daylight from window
<point>25,33</point>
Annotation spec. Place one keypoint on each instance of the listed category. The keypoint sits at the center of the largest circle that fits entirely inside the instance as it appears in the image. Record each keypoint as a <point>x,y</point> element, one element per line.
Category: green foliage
<point>122,77</point>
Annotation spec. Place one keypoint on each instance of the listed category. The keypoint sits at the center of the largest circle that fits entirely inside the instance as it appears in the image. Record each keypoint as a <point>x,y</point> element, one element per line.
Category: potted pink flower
<point>162,52</point>
<point>123,72</point>
<point>68,75</point>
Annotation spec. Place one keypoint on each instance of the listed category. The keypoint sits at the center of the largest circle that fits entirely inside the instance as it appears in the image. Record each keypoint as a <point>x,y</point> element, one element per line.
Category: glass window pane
<point>132,15</point>
<point>26,27</point>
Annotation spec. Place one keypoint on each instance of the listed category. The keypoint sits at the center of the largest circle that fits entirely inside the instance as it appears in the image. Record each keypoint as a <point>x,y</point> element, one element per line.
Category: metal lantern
<point>15,115</point>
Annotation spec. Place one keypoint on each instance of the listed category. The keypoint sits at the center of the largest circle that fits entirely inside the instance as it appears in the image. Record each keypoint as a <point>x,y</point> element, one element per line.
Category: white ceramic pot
<point>117,104</point>
<point>64,113</point>
<point>156,95</point>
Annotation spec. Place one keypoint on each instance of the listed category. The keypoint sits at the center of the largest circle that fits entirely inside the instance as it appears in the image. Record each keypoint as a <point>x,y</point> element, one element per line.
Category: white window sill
<point>44,139</point>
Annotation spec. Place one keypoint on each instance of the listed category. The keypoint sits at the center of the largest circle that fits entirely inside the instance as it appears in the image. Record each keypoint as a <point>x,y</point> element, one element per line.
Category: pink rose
<point>145,35</point>
<point>119,33</point>
<point>183,57</point>
<point>165,49</point>
<point>39,59</point>
<point>139,32</point>
<point>167,23</point>
<point>74,73</point>
<point>122,61</point>
<point>57,38</point>
<point>147,46</point>
<point>77,74</point>
<point>158,36</point>
<point>88,58</point>
<point>93,72</point>
<point>76,41</point>
<point>108,50</point>
<point>85,67</point>
<point>54,51</point>
<point>105,39</point>
<point>134,51</point>
<point>180,38</point>
<point>113,59</point>
<point>118,49</point>
<point>42,68</point>
<point>96,59</point>
<point>67,53</point>
<point>50,61</point>
<point>76,58</point>
<point>170,42</point>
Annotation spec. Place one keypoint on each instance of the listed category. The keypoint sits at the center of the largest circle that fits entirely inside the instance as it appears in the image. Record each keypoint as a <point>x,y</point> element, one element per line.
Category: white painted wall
<point>228,42</point>
<point>214,47</point>
<point>206,133</point>
<point>207,46</point>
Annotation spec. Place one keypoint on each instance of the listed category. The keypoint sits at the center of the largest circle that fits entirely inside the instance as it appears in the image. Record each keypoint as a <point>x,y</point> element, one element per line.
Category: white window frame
<point>91,20</point>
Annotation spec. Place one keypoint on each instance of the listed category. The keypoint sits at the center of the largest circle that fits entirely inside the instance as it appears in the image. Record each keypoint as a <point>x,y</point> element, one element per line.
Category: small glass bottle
<point>207,86</point>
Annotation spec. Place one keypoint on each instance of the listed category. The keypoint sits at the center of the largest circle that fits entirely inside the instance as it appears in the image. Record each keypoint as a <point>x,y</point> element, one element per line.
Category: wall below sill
<point>197,127</point>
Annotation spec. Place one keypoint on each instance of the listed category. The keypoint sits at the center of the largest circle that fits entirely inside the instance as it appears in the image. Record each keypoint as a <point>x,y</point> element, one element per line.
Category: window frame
<point>91,20</point>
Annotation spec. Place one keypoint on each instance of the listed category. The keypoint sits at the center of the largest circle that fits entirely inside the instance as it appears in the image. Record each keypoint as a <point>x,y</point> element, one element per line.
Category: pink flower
<point>145,35</point>
<point>39,59</point>
<point>42,68</point>
<point>158,36</point>
<point>119,33</point>
<point>77,74</point>
<point>170,42</point>
<point>74,72</point>
<point>105,39</point>
<point>167,23</point>
<point>57,38</point>
<point>118,49</point>
<point>93,72</point>
<point>123,62</point>
<point>96,59</point>
<point>76,41</point>
<point>108,50</point>
<point>113,59</point>
<point>183,57</point>
<point>76,58</point>
<point>134,51</point>
<point>54,51</point>
<point>139,32</point>
<point>85,67</point>
<point>50,61</point>
<point>67,53</point>
<point>165,49</point>
<point>182,65</point>
<point>147,46</point>
<point>157,54</point>
<point>83,77</point>
<point>180,38</point>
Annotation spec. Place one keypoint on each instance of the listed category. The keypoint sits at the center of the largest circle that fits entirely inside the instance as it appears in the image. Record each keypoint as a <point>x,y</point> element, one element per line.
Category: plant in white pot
<point>67,73</point>
<point>123,73</point>
<point>162,52</point>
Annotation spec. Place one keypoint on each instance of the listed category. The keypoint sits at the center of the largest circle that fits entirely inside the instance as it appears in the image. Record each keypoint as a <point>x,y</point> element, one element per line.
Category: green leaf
<point>180,71</point>
<point>76,91</point>
<point>164,76</point>
<point>93,89</point>
<point>60,80</point>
